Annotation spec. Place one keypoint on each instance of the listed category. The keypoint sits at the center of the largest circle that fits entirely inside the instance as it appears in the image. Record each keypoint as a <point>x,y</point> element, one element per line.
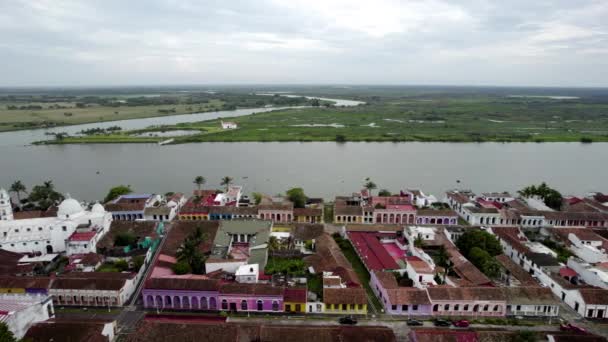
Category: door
<point>232,306</point>
<point>600,313</point>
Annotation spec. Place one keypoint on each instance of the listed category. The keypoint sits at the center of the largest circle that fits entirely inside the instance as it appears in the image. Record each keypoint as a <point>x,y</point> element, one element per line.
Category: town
<point>369,266</point>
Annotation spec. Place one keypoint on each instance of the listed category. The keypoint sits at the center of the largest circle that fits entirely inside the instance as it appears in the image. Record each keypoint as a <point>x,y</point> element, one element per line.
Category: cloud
<point>65,42</point>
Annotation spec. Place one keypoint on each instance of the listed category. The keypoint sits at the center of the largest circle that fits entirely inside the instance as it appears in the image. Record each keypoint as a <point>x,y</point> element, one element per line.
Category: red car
<point>573,328</point>
<point>463,323</point>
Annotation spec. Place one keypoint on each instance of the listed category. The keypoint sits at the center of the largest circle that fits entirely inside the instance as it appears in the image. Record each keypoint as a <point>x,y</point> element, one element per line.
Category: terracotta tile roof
<point>386,279</point>
<point>465,293</point>
<point>307,212</point>
<point>350,295</point>
<point>66,331</point>
<point>140,229</point>
<point>304,231</point>
<point>511,235</point>
<point>25,282</point>
<point>331,281</point>
<point>524,278</point>
<point>180,230</point>
<point>329,258</point>
<point>295,294</point>
<point>276,206</point>
<point>251,289</point>
<point>408,296</point>
<point>111,207</point>
<point>77,283</point>
<point>419,265</point>
<point>348,210</point>
<point>183,284</point>
<point>527,295</point>
<point>594,296</point>
<point>82,236</point>
<point>23,215</point>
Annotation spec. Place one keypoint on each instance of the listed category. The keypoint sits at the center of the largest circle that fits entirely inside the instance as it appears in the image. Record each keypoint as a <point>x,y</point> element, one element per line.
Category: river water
<point>323,169</point>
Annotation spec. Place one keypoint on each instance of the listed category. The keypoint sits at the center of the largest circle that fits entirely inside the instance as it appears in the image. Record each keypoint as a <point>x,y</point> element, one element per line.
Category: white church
<point>49,235</point>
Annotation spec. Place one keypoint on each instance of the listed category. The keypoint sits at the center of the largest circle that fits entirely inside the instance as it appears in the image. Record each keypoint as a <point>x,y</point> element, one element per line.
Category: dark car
<point>442,322</point>
<point>572,328</point>
<point>463,323</point>
<point>348,320</point>
<point>414,323</point>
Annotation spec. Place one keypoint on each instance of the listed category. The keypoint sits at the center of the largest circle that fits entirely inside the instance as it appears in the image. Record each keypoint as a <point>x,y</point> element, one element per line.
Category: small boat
<point>165,142</point>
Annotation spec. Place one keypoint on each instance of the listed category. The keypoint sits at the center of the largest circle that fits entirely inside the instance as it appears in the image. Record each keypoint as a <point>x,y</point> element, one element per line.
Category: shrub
<point>125,239</point>
<point>181,267</point>
<point>121,265</point>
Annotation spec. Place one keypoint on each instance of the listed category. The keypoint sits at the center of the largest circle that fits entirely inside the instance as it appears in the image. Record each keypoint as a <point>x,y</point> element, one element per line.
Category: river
<point>323,169</point>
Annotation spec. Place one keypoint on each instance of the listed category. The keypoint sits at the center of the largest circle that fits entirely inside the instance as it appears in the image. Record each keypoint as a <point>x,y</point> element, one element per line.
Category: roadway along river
<point>322,169</point>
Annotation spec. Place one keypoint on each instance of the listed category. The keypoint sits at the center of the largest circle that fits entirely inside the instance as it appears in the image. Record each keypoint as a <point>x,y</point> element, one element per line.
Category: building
<point>238,243</point>
<point>143,235</point>
<point>277,212</point>
<point>6,209</point>
<point>530,301</point>
<point>166,209</point>
<point>436,217</point>
<point>47,232</point>
<point>247,274</point>
<point>399,300</point>
<point>132,207</point>
<point>73,331</point>
<point>229,125</point>
<point>467,301</point>
<point>251,297</point>
<point>295,299</point>
<point>181,294</point>
<point>308,215</point>
<point>20,311</point>
<point>93,289</point>
<point>352,301</point>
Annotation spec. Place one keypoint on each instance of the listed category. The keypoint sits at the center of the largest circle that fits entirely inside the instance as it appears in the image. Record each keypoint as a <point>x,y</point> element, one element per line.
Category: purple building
<point>211,294</point>
<point>251,297</point>
<point>399,300</point>
<point>181,294</point>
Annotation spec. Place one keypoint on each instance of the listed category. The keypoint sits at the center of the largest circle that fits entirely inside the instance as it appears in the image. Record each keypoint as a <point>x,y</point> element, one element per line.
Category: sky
<point>175,42</point>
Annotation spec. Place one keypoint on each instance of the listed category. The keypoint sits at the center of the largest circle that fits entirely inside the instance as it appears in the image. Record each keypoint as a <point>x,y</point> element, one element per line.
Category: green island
<point>402,114</point>
<point>55,108</point>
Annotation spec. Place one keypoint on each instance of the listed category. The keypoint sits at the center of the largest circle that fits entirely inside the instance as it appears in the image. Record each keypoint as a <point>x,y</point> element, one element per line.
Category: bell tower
<point>6,211</point>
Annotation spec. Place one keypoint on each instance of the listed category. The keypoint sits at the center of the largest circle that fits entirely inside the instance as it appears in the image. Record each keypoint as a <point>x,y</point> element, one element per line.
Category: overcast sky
<point>155,42</point>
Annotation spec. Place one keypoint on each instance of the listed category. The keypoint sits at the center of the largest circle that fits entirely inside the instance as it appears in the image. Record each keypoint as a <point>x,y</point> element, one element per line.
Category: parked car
<point>414,323</point>
<point>442,322</point>
<point>463,323</point>
<point>347,320</point>
<point>571,327</point>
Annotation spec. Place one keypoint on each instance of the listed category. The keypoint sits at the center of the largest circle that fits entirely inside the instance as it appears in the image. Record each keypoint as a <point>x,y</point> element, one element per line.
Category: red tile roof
<point>295,295</point>
<point>567,272</point>
<point>84,236</point>
<point>371,251</point>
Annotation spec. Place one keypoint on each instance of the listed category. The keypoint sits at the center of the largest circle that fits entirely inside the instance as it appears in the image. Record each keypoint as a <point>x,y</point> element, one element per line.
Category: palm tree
<point>273,243</point>
<point>17,187</point>
<point>199,181</point>
<point>369,185</point>
<point>418,242</point>
<point>226,181</point>
<point>49,185</point>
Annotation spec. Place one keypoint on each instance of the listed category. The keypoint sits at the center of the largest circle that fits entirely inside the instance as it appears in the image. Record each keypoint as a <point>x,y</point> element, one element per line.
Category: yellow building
<point>295,299</point>
<point>349,300</point>
<point>308,215</point>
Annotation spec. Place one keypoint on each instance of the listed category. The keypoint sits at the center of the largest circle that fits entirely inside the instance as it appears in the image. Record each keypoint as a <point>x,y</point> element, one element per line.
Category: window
<point>486,307</point>
<point>518,307</point>
<point>29,229</point>
<point>16,230</point>
<point>394,307</point>
<point>414,307</point>
<point>260,305</point>
<point>224,304</point>
<point>243,305</point>
<point>344,307</point>
<point>352,307</point>
<point>496,307</point>
<point>403,307</point>
<point>275,306</point>
<point>456,307</point>
<point>39,229</point>
<point>64,228</point>
<point>590,313</point>
<point>360,306</point>
<point>446,307</point>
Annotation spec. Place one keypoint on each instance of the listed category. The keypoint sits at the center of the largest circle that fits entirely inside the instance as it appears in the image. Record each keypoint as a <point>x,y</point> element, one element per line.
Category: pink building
<point>395,214</point>
<point>468,301</point>
<point>277,212</point>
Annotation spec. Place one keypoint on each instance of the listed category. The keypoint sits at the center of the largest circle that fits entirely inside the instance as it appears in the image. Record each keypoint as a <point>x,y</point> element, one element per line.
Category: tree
<point>226,181</point>
<point>199,181</point>
<point>44,196</point>
<point>551,197</point>
<point>125,239</point>
<point>315,102</point>
<point>117,191</point>
<point>369,185</point>
<point>122,265</point>
<point>5,334</point>
<point>297,196</point>
<point>138,262</point>
<point>273,243</point>
<point>481,239</point>
<point>418,242</point>
<point>384,193</point>
<point>257,197</point>
<point>340,138</point>
<point>17,187</point>
<point>190,253</point>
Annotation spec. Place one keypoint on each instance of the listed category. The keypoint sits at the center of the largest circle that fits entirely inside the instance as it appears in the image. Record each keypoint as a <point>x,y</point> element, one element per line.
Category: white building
<point>166,209</point>
<point>589,250</point>
<point>229,125</point>
<point>20,311</point>
<point>248,273</point>
<point>6,211</point>
<point>38,233</point>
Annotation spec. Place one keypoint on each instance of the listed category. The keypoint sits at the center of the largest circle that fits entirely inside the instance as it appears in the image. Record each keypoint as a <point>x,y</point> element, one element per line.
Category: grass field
<point>457,119</point>
<point>28,118</point>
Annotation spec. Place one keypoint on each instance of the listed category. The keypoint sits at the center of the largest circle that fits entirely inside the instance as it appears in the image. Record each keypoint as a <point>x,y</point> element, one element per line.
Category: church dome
<point>69,206</point>
<point>98,208</point>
